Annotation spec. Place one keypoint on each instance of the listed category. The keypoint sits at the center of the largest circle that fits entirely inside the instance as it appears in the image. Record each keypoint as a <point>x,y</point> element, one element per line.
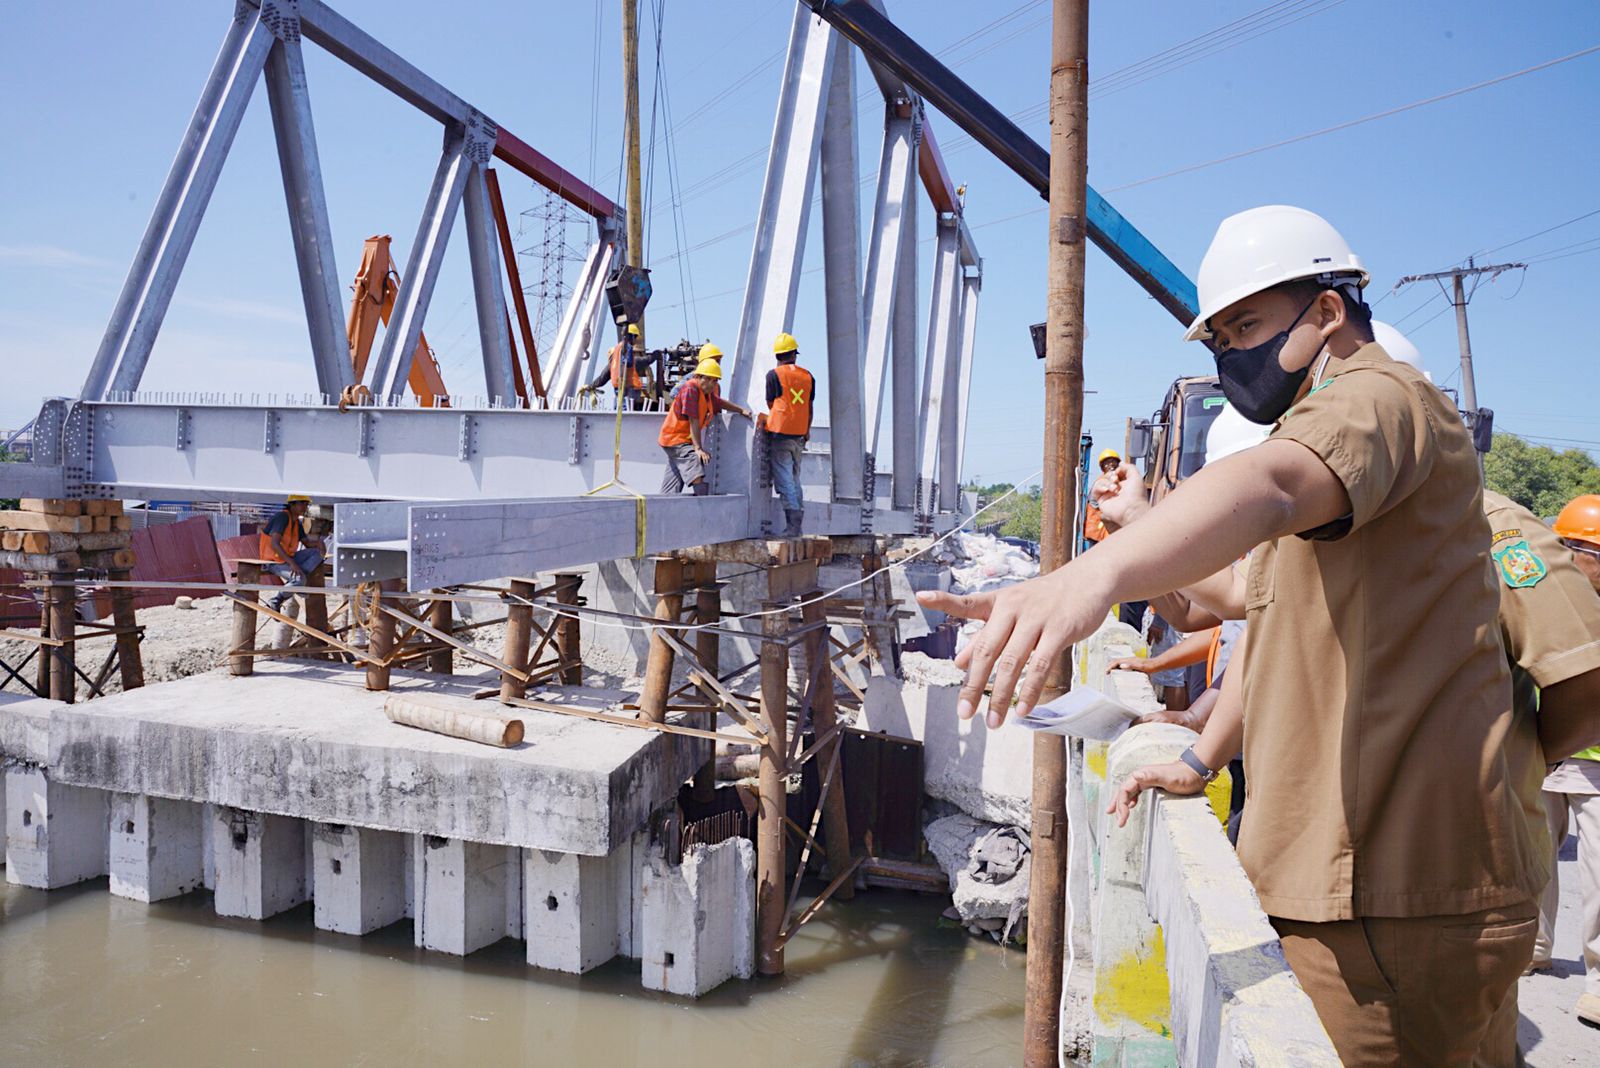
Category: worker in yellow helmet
<point>791,396</point>
<point>622,368</point>
<point>1094,527</point>
<point>291,553</point>
<point>682,435</point>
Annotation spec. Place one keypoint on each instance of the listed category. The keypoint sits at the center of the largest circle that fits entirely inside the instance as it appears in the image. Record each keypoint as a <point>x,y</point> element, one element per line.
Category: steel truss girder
<point>841,248</point>
<point>290,101</point>
<point>941,380</point>
<point>494,324</point>
<point>863,24</point>
<point>907,417</point>
<point>147,291</point>
<point>890,219</point>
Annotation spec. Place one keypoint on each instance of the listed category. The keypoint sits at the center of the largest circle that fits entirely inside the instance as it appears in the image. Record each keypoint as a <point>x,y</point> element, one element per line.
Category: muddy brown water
<point>91,979</point>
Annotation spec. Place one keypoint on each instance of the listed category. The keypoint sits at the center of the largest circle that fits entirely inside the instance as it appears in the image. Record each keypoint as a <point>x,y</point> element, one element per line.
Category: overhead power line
<point>1591,50</point>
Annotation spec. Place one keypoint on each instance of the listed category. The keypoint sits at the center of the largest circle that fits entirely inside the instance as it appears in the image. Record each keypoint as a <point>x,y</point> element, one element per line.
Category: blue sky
<point>96,101</point>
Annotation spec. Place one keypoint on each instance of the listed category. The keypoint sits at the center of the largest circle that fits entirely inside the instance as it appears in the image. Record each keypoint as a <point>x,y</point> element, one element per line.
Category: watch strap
<point>1196,765</point>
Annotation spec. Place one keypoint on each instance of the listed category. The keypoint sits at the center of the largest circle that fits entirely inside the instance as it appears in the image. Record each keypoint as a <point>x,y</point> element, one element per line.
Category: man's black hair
<point>1305,290</point>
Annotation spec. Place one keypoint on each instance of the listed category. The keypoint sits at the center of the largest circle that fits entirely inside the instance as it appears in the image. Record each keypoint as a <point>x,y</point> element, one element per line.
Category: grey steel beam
<point>903,364</point>
<point>344,39</point>
<point>469,542</point>
<point>393,366</point>
<point>841,249</point>
<point>896,186</point>
<point>290,100</point>
<point>937,377</point>
<point>135,450</point>
<point>483,250</point>
<point>781,224</point>
<point>971,289</point>
<point>147,291</point>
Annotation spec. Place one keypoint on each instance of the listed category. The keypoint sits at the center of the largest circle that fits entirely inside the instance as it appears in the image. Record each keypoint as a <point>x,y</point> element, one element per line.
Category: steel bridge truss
<point>486,489</point>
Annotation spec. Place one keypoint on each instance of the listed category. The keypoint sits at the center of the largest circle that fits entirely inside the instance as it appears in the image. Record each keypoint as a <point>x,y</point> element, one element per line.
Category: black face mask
<point>1253,380</point>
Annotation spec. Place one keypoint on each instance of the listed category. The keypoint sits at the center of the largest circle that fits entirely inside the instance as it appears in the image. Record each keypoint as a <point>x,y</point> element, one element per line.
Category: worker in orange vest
<point>791,394</point>
<point>682,435</point>
<point>622,369</point>
<point>290,552</point>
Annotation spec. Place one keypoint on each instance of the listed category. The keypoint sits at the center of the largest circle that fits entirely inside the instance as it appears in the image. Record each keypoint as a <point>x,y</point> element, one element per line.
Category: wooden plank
<point>905,875</point>
<point>51,506</point>
<point>62,524</point>
<point>110,559</point>
<point>102,524</point>
<point>11,541</point>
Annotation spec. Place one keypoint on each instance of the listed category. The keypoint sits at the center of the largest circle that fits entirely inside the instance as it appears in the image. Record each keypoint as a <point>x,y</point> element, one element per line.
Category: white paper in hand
<point>1082,713</point>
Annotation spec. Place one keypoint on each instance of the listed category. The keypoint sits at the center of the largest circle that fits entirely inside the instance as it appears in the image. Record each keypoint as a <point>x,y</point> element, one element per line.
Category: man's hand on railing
<point>1194,717</point>
<point>1132,663</point>
<point>1175,778</point>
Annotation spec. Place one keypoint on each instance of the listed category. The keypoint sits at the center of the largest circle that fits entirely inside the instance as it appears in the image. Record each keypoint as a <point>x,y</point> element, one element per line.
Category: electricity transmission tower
<point>550,251</point>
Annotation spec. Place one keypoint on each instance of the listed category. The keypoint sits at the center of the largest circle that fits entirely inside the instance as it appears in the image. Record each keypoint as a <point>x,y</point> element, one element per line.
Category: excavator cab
<point>1172,443</point>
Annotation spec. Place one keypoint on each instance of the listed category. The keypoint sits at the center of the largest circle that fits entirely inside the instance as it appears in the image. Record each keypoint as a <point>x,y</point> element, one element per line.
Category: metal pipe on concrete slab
<point>441,616</point>
<point>440,717</point>
<point>824,719</point>
<point>129,662</point>
<point>519,631</point>
<point>1063,376</point>
<point>244,619</point>
<point>658,670</point>
<point>380,643</point>
<point>772,794</point>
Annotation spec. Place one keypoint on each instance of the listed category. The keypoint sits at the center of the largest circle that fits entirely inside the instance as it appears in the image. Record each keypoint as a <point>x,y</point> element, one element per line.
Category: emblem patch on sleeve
<point>1519,565</point>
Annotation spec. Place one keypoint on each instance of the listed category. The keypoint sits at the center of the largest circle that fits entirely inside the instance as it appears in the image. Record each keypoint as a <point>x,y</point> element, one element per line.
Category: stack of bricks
<point>53,535</point>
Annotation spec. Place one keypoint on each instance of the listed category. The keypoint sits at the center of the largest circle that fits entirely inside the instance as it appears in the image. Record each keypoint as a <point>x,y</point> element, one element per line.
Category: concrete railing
<point>1183,966</point>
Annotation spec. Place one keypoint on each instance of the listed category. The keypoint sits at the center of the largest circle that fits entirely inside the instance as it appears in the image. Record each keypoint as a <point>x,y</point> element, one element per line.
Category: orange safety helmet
<point>1580,519</point>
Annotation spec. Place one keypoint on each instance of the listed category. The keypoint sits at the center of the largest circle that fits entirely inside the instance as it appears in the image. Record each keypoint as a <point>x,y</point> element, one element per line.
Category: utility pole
<point>1459,297</point>
<point>630,86</point>
<point>1063,419</point>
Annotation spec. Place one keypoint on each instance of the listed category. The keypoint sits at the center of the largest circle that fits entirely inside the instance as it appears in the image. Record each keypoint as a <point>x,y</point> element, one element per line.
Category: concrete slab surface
<point>309,740</point>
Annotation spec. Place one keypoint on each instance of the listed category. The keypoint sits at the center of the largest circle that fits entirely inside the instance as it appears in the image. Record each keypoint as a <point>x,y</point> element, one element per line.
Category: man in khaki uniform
<point>1386,837</point>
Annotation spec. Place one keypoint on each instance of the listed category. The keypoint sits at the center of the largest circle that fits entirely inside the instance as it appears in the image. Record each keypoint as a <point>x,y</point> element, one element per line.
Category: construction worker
<point>1571,791</point>
<point>682,435</point>
<point>622,370</point>
<point>791,395</point>
<point>1094,527</point>
<point>1385,836</point>
<point>292,554</point>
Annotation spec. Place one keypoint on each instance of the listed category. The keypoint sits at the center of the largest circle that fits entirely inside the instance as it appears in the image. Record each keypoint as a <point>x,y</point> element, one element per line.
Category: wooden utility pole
<point>630,88</point>
<point>1063,418</point>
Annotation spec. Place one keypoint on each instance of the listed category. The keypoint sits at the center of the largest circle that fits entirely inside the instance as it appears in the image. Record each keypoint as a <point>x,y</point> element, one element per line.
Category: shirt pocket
<point>1260,586</point>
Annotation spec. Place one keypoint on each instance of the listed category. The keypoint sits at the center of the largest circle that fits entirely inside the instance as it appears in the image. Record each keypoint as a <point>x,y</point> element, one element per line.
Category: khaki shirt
<point>1377,697</point>
<point>1550,622</point>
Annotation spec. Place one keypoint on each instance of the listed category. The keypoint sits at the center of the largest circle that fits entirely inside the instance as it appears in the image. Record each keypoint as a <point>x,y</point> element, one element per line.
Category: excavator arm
<point>375,287</point>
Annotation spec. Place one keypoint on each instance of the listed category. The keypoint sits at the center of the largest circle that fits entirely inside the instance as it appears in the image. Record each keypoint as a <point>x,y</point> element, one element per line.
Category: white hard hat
<point>1398,346</point>
<point>1231,432</point>
<point>1263,247</point>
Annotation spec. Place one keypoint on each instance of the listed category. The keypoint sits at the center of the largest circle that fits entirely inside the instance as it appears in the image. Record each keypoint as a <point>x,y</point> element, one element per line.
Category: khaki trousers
<point>1427,990</point>
<point>1585,808</point>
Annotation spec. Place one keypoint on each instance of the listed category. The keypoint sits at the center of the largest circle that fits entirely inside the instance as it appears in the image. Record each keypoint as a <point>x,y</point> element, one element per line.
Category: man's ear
<point>1330,313</point>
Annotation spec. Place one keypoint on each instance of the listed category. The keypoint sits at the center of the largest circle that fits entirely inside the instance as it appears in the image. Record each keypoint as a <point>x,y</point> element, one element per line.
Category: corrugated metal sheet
<point>177,552</point>
<point>19,608</point>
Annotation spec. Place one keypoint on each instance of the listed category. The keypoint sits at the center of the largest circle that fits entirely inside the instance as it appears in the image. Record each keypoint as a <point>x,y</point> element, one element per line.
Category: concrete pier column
<point>463,892</point>
<point>157,847</point>
<point>699,918</point>
<point>359,877</point>
<point>244,620</point>
<point>261,862</point>
<point>55,834</point>
<point>569,633</point>
<point>571,910</point>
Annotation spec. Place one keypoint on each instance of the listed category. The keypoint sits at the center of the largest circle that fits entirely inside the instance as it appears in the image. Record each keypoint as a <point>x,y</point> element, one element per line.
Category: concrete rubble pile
<point>988,869</point>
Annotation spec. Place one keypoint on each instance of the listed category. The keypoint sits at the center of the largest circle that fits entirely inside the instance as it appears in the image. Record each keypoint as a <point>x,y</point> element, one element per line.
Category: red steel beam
<point>930,167</point>
<point>530,161</point>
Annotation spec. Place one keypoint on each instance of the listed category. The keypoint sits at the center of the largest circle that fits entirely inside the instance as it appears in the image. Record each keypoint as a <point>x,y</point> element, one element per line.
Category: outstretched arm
<point>1275,489</point>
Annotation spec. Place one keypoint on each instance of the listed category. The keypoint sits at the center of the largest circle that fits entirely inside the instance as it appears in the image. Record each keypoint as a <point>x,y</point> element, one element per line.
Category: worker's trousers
<point>308,559</point>
<point>1585,810</point>
<point>783,460</point>
<point>1423,990</point>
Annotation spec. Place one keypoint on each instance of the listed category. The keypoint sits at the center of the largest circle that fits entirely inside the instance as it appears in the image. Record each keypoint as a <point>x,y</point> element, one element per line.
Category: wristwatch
<point>1197,765</point>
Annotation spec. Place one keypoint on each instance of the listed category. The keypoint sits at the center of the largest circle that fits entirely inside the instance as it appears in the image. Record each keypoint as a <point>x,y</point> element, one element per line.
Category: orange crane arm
<point>373,301</point>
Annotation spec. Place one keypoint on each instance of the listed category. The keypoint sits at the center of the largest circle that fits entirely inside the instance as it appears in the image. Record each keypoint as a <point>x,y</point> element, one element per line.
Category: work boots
<point>796,517</point>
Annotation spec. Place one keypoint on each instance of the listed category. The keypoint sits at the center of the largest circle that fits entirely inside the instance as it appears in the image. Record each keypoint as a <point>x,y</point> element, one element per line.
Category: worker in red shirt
<point>791,394</point>
<point>682,435</point>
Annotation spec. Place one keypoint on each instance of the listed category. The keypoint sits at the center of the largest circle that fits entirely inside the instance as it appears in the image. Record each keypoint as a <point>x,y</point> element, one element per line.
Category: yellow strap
<point>617,483</point>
